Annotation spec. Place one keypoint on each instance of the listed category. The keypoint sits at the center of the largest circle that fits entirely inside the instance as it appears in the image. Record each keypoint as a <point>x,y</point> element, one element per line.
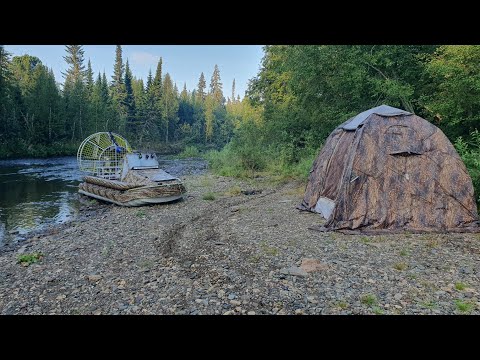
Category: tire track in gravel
<point>205,224</point>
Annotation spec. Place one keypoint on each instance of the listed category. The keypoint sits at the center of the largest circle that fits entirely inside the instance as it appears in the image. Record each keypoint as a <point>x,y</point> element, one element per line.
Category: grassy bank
<point>253,162</point>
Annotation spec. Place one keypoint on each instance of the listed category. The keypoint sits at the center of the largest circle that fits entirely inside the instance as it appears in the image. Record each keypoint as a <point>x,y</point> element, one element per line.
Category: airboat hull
<point>118,175</point>
<point>136,202</point>
<point>133,193</point>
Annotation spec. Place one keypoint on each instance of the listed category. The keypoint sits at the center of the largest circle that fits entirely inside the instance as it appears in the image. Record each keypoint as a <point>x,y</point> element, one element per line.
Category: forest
<point>301,93</point>
<point>39,117</point>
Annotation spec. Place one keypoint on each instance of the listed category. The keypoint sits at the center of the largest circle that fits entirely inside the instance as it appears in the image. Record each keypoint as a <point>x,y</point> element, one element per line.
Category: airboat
<point>122,176</point>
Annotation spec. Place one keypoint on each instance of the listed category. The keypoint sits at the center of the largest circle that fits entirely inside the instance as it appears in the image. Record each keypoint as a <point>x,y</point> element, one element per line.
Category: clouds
<point>143,58</point>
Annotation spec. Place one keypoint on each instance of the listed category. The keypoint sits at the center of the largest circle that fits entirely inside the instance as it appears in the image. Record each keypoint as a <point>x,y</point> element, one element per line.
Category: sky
<point>184,63</point>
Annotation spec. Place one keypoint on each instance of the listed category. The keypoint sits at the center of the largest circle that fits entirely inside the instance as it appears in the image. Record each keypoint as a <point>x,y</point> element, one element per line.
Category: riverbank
<point>235,254</point>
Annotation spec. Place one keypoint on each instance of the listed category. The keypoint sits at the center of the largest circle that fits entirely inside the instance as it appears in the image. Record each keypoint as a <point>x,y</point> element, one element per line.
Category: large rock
<point>293,270</point>
<point>94,278</point>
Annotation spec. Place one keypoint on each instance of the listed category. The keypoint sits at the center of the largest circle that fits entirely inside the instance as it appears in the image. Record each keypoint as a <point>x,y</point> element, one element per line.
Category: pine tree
<point>105,90</point>
<point>184,94</point>
<point>118,91</point>
<point>210,104</point>
<point>76,109</point>
<point>129,101</point>
<point>40,100</point>
<point>185,112</point>
<point>108,111</point>
<point>216,86</point>
<point>118,69</point>
<point>74,58</point>
<point>155,94</point>
<point>4,71</point>
<point>4,75</point>
<point>140,104</point>
<point>156,87</point>
<point>138,92</point>
<point>8,121</point>
<point>233,91</point>
<point>169,105</point>
<point>97,103</point>
<point>201,89</point>
<point>149,81</point>
<point>89,79</point>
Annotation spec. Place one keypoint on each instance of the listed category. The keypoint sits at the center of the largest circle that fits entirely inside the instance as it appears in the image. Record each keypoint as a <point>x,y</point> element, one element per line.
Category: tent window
<point>403,141</point>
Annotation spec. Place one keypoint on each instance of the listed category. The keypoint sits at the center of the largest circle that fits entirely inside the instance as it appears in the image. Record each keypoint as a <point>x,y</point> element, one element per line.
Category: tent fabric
<point>395,172</point>
<point>385,110</point>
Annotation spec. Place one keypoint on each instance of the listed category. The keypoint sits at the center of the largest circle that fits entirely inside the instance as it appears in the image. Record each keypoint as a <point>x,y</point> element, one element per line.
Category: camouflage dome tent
<point>388,170</point>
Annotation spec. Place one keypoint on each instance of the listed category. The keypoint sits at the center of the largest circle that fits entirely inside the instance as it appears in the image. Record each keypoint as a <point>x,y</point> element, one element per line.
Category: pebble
<point>258,268</point>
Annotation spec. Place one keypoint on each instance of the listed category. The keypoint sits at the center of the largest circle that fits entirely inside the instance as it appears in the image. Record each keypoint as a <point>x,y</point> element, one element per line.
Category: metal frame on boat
<point>124,177</point>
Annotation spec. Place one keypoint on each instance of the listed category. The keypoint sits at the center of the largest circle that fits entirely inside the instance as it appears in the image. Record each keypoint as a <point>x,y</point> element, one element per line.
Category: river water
<point>36,193</point>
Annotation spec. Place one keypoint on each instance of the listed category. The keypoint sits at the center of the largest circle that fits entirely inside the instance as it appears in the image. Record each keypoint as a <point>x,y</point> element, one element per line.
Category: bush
<point>189,152</point>
<point>469,151</point>
<point>28,259</point>
<point>209,196</point>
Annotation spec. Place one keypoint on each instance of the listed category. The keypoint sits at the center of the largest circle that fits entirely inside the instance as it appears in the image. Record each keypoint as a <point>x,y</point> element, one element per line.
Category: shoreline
<point>236,254</point>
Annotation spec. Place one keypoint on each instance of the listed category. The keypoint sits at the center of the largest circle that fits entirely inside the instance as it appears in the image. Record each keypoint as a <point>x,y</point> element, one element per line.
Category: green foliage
<point>368,299</point>
<point>140,213</point>
<point>37,118</point>
<point>189,152</point>
<point>209,196</point>
<point>268,250</point>
<point>460,286</point>
<point>455,100</point>
<point>404,252</point>
<point>469,151</point>
<point>430,304</point>
<point>300,94</point>
<point>464,306</point>
<point>400,266</point>
<point>304,92</point>
<point>234,191</point>
<point>342,304</point>
<point>28,259</point>
<point>74,58</point>
<point>377,310</point>
<point>365,239</point>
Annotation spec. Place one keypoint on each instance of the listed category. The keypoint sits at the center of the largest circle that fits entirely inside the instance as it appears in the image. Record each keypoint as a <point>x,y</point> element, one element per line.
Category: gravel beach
<point>248,251</point>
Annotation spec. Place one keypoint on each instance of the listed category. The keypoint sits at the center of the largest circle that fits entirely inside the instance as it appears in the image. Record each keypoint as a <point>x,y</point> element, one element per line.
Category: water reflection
<point>35,193</point>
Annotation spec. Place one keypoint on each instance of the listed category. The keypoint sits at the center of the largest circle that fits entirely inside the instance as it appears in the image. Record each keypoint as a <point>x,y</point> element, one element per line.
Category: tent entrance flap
<point>325,206</point>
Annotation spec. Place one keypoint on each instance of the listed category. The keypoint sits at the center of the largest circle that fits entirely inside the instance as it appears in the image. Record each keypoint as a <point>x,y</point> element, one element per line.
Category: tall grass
<point>190,151</point>
<point>247,162</point>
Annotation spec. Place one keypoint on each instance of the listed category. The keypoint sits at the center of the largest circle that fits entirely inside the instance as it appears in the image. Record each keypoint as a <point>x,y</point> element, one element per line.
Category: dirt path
<point>237,254</point>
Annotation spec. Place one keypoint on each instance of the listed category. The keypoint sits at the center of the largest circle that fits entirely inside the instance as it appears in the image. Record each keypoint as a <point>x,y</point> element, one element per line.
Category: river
<point>36,193</point>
